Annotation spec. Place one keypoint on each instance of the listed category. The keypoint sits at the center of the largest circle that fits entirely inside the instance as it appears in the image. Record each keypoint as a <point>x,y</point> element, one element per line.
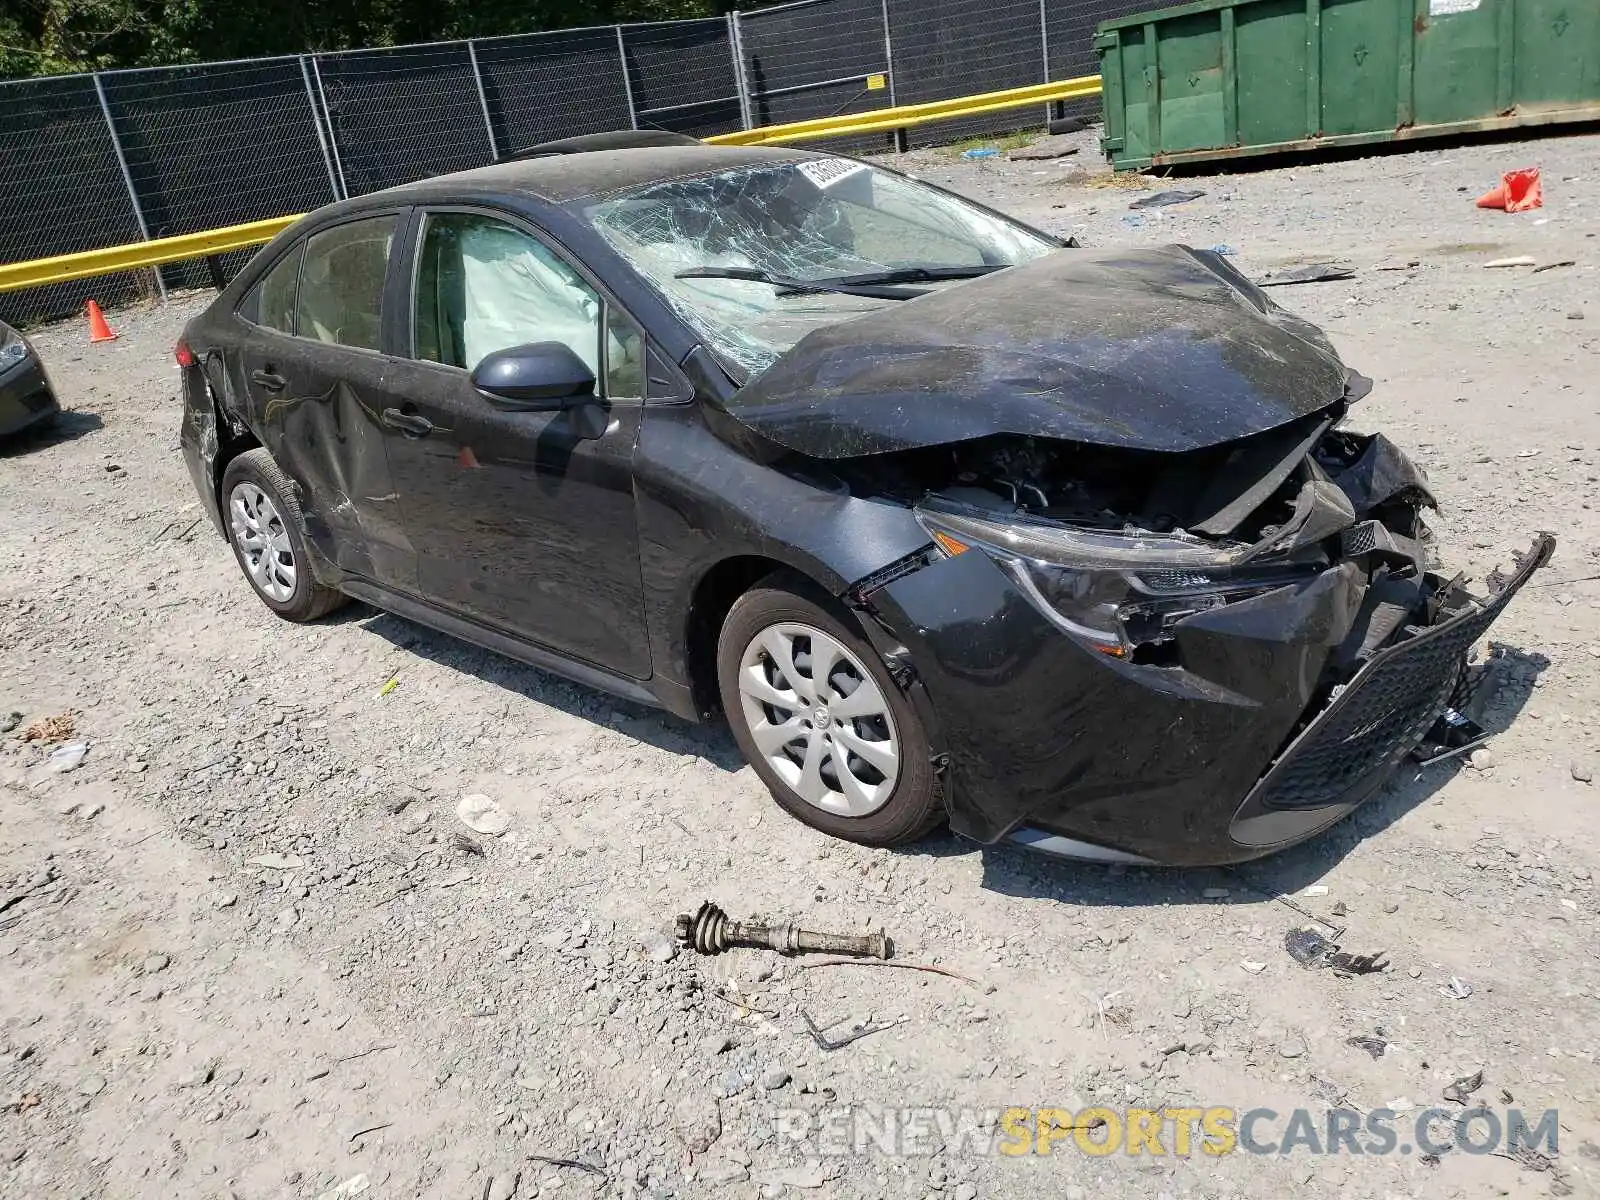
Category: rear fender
<point>208,438</point>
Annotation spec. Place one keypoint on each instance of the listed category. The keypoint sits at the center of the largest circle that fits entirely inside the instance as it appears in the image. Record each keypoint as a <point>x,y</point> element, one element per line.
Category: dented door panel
<point>322,427</point>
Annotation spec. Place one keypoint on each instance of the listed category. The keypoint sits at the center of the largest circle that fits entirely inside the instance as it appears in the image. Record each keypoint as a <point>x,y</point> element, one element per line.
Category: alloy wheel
<point>262,541</point>
<point>819,719</point>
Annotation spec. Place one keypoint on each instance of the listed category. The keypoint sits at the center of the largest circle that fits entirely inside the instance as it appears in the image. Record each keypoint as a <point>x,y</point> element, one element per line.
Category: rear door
<point>316,372</point>
<point>517,521</point>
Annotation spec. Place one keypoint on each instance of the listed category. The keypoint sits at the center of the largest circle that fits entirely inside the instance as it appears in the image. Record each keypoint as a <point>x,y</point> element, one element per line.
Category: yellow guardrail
<point>909,115</point>
<point>88,263</point>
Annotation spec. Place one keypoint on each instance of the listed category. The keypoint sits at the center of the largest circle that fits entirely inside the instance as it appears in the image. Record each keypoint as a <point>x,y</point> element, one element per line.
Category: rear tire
<point>846,752</point>
<point>263,520</point>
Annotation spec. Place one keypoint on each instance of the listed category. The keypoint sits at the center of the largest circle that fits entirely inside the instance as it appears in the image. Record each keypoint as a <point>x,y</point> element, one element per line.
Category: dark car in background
<point>949,520</point>
<point>26,397</point>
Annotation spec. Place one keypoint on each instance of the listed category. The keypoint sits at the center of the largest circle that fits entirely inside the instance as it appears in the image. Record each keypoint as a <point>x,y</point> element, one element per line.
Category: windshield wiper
<point>915,275</point>
<point>788,285</point>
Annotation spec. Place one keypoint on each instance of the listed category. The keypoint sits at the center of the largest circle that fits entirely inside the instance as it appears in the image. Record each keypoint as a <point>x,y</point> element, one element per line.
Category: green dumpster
<point>1222,78</point>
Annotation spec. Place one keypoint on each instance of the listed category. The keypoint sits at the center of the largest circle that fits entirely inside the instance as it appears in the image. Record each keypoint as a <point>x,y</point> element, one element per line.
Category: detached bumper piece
<point>1349,749</point>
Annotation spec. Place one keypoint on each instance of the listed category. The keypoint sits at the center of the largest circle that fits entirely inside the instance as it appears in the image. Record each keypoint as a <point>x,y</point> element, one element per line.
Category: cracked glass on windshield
<point>813,220</point>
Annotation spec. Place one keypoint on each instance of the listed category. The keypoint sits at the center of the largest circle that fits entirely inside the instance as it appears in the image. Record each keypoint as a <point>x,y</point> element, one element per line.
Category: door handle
<point>410,424</point>
<point>270,380</point>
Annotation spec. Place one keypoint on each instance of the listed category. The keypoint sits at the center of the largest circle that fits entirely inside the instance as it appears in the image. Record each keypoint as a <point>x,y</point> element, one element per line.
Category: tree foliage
<point>53,37</point>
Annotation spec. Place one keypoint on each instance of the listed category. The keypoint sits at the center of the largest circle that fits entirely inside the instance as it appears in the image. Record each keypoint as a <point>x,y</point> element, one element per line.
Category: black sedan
<point>949,520</point>
<point>26,398</point>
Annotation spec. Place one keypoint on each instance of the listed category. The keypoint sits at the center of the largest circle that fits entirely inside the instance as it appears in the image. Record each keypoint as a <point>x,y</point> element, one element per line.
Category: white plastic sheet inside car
<point>517,292</point>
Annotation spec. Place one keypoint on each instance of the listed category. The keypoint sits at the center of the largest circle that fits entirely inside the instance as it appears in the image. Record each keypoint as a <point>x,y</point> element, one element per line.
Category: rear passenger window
<point>341,283</point>
<point>272,303</point>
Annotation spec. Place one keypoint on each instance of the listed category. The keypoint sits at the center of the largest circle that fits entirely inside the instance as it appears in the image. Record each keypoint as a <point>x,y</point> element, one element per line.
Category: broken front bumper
<point>1349,749</point>
<point>1088,756</point>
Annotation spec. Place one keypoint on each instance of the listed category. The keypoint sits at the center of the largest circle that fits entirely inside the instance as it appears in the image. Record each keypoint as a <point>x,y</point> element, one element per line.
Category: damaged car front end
<point>1171,610</point>
<point>1111,692</point>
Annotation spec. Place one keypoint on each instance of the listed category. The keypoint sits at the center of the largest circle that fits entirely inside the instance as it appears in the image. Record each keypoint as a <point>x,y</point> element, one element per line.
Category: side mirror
<point>540,377</point>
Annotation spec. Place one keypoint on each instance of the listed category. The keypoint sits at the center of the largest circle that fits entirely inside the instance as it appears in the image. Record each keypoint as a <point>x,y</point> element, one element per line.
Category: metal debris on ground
<point>904,966</point>
<point>1311,950</point>
<point>1314,273</point>
<point>1336,931</point>
<point>1464,1087</point>
<point>57,728</point>
<point>1520,260</point>
<point>826,1043</point>
<point>364,1053</point>
<point>571,1163</point>
<point>1531,1159</point>
<point>709,931</point>
<point>1452,735</point>
<point>1374,1046</point>
<point>1165,199</point>
<point>1456,989</point>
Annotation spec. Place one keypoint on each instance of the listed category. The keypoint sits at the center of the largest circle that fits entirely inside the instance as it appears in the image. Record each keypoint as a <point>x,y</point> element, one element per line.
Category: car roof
<point>564,178</point>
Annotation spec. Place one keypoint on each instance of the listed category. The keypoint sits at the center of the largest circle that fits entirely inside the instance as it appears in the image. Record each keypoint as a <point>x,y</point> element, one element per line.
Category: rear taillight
<point>183,354</point>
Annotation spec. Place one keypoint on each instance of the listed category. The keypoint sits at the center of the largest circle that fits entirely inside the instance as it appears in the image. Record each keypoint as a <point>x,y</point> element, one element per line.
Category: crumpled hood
<point>1165,349</point>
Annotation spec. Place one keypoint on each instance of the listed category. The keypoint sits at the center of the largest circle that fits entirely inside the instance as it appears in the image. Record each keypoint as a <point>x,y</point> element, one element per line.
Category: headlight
<point>1112,590</point>
<point>12,352</point>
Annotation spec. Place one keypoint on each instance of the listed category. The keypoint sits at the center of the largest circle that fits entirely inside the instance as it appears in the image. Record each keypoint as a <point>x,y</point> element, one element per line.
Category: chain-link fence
<point>95,160</point>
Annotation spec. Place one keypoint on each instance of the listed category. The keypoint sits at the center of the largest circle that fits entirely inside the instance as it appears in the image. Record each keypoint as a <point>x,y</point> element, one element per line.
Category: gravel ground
<point>243,952</point>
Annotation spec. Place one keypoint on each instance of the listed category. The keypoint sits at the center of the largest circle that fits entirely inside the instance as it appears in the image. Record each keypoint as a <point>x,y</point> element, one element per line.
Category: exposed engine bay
<point>1124,545</point>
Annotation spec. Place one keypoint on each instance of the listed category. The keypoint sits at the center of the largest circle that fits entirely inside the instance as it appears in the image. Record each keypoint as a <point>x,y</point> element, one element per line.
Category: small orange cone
<point>99,331</point>
<point>1518,191</point>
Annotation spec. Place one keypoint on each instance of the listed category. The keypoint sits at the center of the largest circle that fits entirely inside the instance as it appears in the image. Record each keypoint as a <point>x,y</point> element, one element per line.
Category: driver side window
<point>484,285</point>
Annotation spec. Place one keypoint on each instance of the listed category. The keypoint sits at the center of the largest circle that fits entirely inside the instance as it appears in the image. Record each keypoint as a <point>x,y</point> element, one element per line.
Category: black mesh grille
<point>1382,713</point>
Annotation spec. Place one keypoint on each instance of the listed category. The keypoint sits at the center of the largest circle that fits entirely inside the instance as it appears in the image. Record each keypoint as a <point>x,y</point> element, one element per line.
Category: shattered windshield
<point>810,243</point>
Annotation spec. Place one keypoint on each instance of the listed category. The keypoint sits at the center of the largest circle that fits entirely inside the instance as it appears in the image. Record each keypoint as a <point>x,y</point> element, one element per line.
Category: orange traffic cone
<point>1519,191</point>
<point>99,331</point>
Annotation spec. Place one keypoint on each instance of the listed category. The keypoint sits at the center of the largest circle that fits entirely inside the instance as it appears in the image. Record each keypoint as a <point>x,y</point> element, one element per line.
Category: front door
<point>516,520</point>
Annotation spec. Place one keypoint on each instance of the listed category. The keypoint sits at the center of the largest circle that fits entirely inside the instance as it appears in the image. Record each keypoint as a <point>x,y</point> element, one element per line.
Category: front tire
<point>263,518</point>
<point>818,717</point>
